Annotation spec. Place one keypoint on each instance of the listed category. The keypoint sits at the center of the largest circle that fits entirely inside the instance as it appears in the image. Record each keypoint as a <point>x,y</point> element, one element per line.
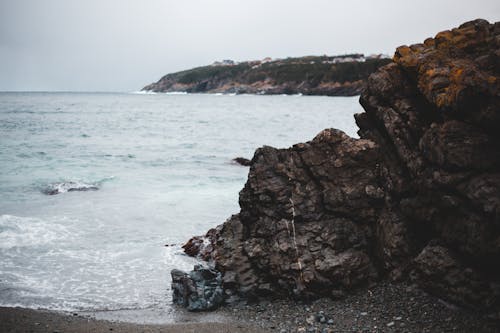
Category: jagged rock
<point>309,210</point>
<point>198,290</point>
<point>417,196</point>
<point>242,161</point>
<point>193,246</point>
<point>201,247</point>
<point>435,114</point>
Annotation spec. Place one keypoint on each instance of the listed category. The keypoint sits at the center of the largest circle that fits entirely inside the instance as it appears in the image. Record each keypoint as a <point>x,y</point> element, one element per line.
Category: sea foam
<point>18,231</point>
<point>73,186</point>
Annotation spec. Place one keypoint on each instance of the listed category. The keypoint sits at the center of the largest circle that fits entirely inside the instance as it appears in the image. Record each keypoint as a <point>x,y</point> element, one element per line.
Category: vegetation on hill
<point>321,75</point>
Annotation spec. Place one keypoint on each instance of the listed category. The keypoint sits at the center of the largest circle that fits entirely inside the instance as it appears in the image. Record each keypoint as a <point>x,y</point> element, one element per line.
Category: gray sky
<point>122,45</point>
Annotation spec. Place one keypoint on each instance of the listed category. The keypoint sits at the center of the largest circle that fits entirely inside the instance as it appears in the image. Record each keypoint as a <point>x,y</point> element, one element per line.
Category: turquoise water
<point>157,169</point>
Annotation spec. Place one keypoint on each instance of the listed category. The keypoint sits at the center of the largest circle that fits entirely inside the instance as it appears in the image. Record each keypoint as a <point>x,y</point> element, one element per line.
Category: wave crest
<point>72,186</point>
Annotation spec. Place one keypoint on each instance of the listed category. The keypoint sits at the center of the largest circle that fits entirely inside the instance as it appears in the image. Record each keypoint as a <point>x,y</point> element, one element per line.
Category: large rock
<point>305,222</point>
<point>435,112</point>
<point>417,196</point>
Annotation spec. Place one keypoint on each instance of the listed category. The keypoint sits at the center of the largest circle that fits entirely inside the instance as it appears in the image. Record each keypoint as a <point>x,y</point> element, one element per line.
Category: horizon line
<point>71,91</point>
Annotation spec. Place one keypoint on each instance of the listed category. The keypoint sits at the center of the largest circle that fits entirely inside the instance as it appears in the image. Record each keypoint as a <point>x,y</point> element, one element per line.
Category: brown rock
<point>242,161</point>
<point>419,193</point>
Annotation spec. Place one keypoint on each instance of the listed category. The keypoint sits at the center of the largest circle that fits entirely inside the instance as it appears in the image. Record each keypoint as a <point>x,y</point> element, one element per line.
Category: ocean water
<point>93,186</point>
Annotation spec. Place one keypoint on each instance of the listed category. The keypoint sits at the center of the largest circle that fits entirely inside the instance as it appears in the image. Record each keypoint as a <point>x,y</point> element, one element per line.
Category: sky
<point>123,45</point>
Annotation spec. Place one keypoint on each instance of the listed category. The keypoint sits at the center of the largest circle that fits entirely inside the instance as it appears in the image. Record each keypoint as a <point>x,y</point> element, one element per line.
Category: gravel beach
<point>385,307</point>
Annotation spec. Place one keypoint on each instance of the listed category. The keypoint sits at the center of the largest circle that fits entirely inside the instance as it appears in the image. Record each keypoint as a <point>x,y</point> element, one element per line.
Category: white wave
<point>74,185</point>
<point>176,93</point>
<point>16,231</point>
<point>143,92</point>
<point>69,186</point>
<point>222,94</point>
<point>51,263</point>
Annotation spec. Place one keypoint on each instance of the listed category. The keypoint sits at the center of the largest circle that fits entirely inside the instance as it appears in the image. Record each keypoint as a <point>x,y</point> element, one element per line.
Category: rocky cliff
<point>311,75</point>
<point>416,197</point>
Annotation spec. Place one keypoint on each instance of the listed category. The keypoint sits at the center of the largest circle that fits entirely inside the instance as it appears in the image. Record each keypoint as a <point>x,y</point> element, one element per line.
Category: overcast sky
<point>122,45</point>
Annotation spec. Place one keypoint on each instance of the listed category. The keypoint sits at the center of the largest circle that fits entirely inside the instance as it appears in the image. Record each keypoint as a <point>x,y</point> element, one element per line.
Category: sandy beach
<point>26,320</point>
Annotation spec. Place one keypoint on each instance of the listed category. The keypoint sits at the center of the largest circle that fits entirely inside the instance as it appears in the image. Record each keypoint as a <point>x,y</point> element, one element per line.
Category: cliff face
<point>334,76</point>
<point>436,113</point>
<point>418,196</point>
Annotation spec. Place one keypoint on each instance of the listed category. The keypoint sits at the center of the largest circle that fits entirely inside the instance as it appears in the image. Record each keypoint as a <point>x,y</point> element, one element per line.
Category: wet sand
<point>21,320</point>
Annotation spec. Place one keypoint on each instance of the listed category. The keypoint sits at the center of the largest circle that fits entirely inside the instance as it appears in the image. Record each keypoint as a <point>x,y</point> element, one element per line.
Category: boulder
<point>198,290</point>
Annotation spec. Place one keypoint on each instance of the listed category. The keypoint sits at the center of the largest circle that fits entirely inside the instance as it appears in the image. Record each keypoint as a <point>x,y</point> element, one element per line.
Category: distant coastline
<point>343,75</point>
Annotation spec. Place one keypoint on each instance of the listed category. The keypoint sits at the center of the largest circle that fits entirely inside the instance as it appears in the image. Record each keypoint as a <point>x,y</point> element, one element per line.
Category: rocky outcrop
<point>436,112</point>
<point>417,196</point>
<point>241,161</point>
<point>267,86</point>
<point>310,223</point>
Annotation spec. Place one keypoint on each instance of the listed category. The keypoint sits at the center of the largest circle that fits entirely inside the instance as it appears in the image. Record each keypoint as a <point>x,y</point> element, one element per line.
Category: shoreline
<point>37,321</point>
<point>213,93</point>
<point>385,307</point>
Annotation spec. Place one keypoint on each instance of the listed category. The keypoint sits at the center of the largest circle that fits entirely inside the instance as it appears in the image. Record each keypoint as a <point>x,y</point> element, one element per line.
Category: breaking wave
<point>72,186</point>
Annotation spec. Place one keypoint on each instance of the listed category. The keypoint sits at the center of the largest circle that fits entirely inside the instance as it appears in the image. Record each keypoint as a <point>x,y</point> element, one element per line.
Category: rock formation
<point>241,161</point>
<point>417,196</point>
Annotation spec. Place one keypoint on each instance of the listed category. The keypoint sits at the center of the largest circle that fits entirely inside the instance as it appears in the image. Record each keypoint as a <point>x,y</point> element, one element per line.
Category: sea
<point>98,191</point>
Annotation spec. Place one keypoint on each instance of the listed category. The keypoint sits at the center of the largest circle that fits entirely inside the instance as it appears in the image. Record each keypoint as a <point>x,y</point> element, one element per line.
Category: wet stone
<point>198,290</point>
